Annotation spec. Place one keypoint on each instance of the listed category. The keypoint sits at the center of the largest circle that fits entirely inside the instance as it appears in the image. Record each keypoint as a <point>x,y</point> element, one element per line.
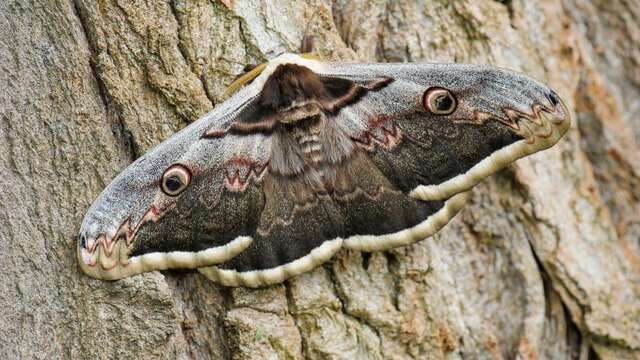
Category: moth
<point>310,157</point>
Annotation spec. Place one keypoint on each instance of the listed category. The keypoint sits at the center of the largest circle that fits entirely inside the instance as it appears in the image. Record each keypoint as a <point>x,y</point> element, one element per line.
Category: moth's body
<point>313,156</point>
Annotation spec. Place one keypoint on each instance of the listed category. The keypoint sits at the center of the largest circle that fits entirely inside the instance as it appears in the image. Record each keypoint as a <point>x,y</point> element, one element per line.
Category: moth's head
<point>143,220</point>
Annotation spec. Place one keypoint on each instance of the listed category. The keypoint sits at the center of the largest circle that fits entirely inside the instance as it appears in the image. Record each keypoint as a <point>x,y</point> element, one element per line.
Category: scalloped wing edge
<point>324,252</point>
<point>163,261</point>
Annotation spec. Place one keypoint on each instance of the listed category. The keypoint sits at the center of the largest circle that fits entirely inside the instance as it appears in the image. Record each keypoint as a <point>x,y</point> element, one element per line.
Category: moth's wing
<point>135,227</point>
<point>501,116</point>
<point>496,109</point>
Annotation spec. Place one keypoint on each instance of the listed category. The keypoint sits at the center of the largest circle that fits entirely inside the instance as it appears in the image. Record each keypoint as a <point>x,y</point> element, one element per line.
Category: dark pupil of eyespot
<point>173,183</point>
<point>443,103</point>
<point>553,98</point>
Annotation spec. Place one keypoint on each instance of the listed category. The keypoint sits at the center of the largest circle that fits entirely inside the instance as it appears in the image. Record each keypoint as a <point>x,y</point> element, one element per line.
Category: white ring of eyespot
<point>431,97</point>
<point>181,172</point>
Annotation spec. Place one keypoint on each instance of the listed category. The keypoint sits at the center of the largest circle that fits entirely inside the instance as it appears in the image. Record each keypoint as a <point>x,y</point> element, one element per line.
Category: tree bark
<point>543,263</point>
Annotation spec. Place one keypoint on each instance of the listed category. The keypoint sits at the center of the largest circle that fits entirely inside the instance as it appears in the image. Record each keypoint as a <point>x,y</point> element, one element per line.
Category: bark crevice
<point>181,45</point>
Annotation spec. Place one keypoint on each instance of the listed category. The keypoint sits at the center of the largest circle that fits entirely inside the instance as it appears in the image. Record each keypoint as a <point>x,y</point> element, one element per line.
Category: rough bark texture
<point>544,263</point>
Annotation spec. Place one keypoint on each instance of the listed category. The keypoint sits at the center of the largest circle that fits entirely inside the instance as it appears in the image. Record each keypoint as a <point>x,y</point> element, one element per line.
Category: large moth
<point>311,157</point>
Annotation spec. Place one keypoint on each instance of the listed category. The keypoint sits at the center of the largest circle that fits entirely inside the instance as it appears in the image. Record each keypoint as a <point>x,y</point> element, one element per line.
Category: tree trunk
<point>543,263</point>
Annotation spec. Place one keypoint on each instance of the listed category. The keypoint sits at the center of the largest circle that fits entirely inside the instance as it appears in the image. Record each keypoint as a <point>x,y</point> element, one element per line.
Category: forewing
<point>134,226</point>
<point>500,117</point>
